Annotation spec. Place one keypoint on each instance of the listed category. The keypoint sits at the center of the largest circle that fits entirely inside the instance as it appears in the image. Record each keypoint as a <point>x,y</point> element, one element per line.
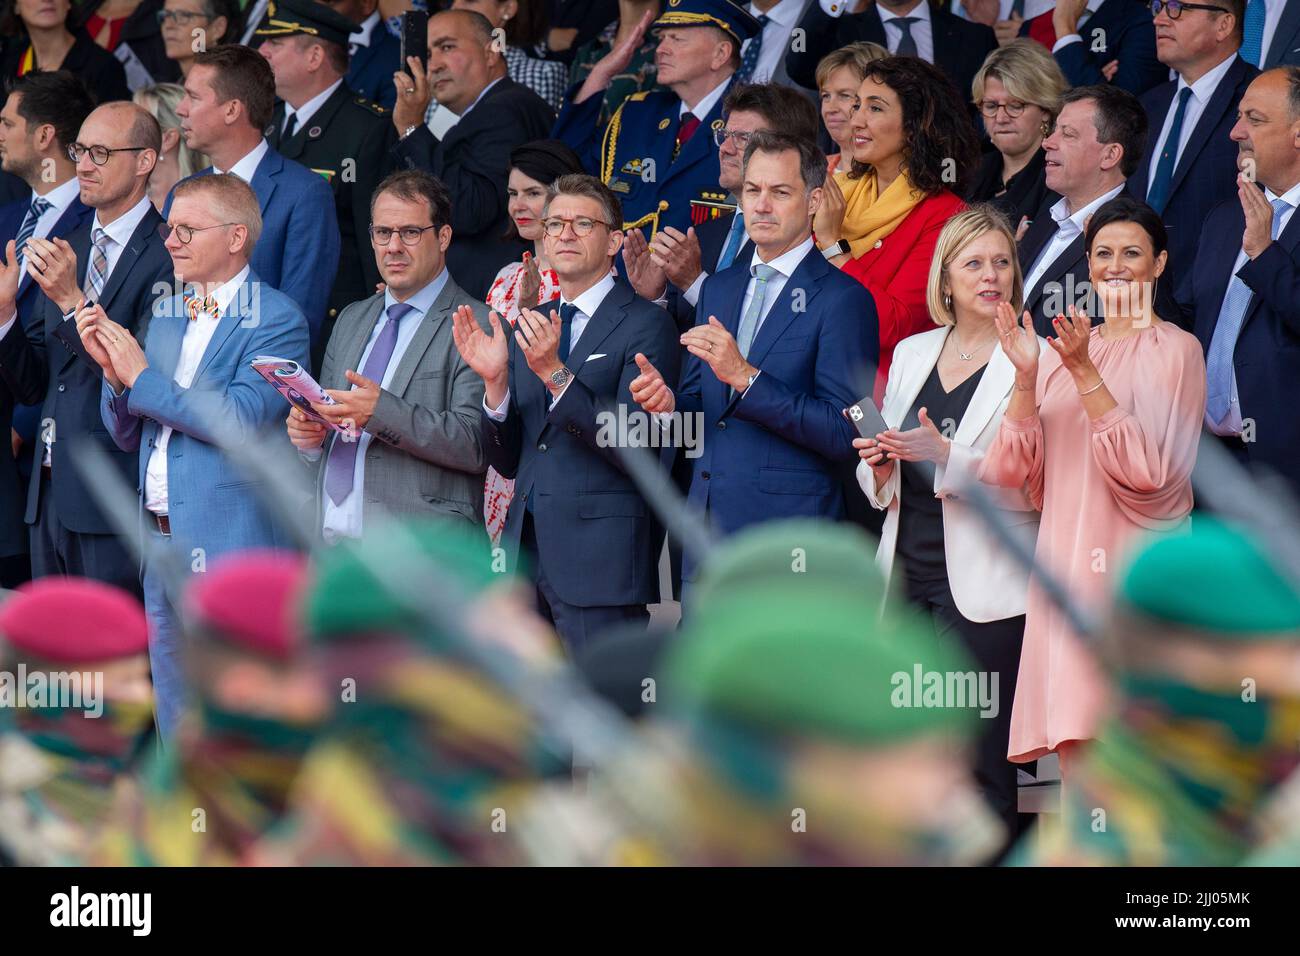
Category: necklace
<point>968,356</point>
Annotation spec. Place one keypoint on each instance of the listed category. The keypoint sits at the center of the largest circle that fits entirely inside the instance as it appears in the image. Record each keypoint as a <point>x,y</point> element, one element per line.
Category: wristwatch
<point>409,130</point>
<point>560,378</point>
<point>840,248</point>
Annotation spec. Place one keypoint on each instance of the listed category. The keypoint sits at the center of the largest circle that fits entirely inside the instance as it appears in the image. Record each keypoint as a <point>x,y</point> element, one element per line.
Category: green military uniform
<point>346,141</point>
<point>1182,772</point>
<point>637,77</point>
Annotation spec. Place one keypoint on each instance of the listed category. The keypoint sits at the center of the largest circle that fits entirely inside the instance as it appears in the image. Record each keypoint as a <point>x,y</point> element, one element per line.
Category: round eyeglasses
<point>582,226</point>
<point>99,154</point>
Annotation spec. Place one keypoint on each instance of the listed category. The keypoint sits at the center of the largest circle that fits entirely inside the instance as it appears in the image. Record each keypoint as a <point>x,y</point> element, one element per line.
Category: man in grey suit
<point>412,442</point>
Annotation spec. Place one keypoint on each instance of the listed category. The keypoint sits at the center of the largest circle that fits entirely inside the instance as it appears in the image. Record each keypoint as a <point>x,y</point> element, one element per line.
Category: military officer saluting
<point>322,124</point>
<point>658,151</point>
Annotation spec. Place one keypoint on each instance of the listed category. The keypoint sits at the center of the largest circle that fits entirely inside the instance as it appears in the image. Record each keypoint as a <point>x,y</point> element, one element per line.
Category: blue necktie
<point>1162,182</point>
<point>749,62</point>
<point>907,42</point>
<point>1252,32</point>
<point>340,468</point>
<point>1218,360</point>
<point>735,235</point>
<point>567,311</point>
<point>28,228</point>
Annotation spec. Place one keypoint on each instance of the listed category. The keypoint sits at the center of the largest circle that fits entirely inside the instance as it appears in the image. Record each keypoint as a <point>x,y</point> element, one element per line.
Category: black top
<point>1022,195</point>
<point>920,513</point>
<point>98,69</point>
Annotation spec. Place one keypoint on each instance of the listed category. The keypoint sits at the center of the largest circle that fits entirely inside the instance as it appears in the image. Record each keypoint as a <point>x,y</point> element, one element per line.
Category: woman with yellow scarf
<point>913,148</point>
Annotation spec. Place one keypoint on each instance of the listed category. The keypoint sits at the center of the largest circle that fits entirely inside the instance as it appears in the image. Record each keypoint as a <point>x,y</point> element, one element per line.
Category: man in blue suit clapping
<point>783,342</point>
<point>165,401</point>
<point>229,99</point>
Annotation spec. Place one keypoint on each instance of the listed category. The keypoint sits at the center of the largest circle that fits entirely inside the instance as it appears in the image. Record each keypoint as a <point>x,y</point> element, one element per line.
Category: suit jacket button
<point>542,447</point>
<point>704,475</point>
<point>573,430</point>
<point>63,388</point>
<point>879,243</point>
<point>722,425</point>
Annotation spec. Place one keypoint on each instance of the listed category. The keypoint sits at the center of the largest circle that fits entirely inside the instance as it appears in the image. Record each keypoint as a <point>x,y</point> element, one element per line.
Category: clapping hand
<point>1019,343</point>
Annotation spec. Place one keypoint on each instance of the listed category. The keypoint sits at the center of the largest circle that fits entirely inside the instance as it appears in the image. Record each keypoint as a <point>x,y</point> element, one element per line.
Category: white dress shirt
<point>59,198</point>
<point>1232,423</point>
<point>784,264</point>
<point>692,292</point>
<point>344,519</point>
<point>247,166</point>
<point>305,112</point>
<point>1202,90</point>
<point>1076,37</point>
<point>587,302</point>
<point>701,109</point>
<point>362,34</point>
<point>1272,16</point>
<point>922,29</point>
<point>198,333</point>
<point>254,20</point>
<point>1068,228</point>
<point>782,19</point>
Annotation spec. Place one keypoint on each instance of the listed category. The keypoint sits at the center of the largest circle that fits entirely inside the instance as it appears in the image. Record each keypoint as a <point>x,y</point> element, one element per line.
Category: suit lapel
<point>1061,265</point>
<point>1222,268</point>
<point>781,315</point>
<point>351,357</point>
<point>917,372</point>
<point>700,145</point>
<point>1288,240</point>
<point>608,315</point>
<point>264,177</point>
<point>130,257</point>
<point>423,338</point>
<point>241,306</point>
<point>1223,99</point>
<point>166,331</point>
<point>1286,38</point>
<point>66,223</point>
<point>1161,103</point>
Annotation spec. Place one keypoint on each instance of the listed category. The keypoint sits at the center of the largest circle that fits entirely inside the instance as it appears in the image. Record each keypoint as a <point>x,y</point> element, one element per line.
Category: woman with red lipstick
<point>913,148</point>
<point>948,390</point>
<point>1018,92</point>
<point>839,75</point>
<point>525,285</point>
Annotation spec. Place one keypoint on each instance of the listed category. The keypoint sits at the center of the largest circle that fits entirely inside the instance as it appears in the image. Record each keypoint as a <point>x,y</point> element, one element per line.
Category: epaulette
<point>373,107</point>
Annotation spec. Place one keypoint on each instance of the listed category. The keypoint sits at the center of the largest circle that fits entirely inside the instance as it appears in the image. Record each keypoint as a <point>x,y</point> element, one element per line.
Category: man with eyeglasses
<point>592,542</point>
<point>673,266</point>
<point>171,404</point>
<point>1190,162</point>
<point>410,401</point>
<point>115,261</point>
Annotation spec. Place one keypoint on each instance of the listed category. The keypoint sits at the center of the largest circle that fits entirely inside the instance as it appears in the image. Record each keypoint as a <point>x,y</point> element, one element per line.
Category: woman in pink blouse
<point>1103,435</point>
<point>527,284</point>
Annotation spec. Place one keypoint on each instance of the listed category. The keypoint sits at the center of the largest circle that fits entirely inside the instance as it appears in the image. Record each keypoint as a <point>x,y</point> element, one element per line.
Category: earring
<point>947,301</point>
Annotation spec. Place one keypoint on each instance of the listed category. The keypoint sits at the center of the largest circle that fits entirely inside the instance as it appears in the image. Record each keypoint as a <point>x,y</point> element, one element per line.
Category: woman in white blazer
<point>944,402</point>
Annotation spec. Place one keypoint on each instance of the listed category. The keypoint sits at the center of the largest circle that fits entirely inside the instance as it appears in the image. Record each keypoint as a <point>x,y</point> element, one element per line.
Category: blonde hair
<point>855,56</point>
<point>1029,73</point>
<point>232,200</point>
<point>959,232</point>
<point>161,100</point>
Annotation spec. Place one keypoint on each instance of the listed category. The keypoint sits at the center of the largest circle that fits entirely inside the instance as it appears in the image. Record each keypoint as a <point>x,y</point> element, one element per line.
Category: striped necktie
<point>97,268</point>
<point>28,228</point>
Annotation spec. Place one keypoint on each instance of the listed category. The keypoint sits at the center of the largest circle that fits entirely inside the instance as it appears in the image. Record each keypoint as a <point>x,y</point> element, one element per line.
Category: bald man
<point>115,259</point>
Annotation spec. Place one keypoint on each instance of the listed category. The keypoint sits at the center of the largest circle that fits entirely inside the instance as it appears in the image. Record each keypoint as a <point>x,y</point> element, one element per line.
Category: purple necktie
<point>340,466</point>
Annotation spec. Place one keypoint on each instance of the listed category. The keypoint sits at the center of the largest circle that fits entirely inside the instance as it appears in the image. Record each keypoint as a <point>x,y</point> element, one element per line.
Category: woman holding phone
<point>944,402</point>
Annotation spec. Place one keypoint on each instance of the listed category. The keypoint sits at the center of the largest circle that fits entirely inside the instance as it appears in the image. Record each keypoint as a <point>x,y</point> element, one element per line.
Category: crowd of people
<point>910,320</point>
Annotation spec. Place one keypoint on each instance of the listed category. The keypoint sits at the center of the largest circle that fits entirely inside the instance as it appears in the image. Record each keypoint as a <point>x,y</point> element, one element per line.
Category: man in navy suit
<point>783,343</point>
<point>956,46</point>
<point>1190,162</point>
<point>118,261</point>
<point>1092,35</point>
<point>1243,293</point>
<point>672,268</point>
<point>229,100</point>
<point>375,53</point>
<point>159,402</point>
<point>40,120</point>
<point>550,392</point>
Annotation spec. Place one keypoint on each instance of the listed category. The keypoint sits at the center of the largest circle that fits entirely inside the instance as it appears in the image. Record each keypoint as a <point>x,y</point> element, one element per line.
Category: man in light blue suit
<point>165,400</point>
<point>229,99</point>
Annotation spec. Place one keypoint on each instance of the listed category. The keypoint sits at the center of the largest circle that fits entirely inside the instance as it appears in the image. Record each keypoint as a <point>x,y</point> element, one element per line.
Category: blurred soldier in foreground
<point>77,718</point>
<point>1205,648</point>
<point>427,757</point>
<point>210,796</point>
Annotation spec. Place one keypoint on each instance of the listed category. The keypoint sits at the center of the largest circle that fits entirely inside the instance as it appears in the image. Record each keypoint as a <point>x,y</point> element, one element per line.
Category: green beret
<point>818,663</point>
<point>792,555</point>
<point>1215,578</point>
<point>348,598</point>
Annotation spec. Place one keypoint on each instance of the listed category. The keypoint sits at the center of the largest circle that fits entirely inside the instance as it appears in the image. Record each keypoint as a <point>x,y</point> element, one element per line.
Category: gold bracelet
<point>1023,388</point>
<point>1093,389</point>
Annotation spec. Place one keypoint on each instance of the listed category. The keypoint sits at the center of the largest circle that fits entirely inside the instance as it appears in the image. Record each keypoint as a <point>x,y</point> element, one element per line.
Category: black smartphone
<point>415,39</point>
<point>866,418</point>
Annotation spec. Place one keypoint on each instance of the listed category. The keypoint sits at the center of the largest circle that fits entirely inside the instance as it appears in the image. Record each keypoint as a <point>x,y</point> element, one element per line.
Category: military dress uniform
<point>661,162</point>
<point>346,141</point>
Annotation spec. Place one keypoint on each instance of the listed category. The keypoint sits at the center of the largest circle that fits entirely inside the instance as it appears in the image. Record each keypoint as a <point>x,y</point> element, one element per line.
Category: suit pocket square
<point>598,355</point>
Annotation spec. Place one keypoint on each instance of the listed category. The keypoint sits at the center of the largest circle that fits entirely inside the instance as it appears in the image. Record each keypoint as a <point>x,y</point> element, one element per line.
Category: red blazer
<point>896,273</point>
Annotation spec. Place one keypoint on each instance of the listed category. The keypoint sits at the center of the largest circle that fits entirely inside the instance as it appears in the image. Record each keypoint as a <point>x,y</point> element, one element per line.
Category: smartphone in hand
<point>415,39</point>
<point>866,418</point>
